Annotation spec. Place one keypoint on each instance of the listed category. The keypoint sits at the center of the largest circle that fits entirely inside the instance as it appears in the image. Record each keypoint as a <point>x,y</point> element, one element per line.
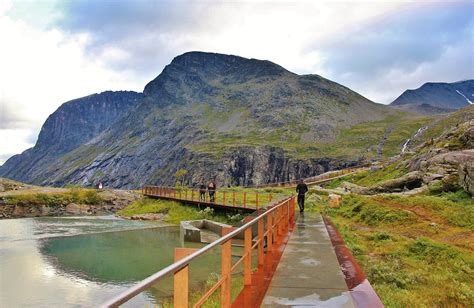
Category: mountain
<point>239,121</point>
<point>437,97</point>
<point>74,123</point>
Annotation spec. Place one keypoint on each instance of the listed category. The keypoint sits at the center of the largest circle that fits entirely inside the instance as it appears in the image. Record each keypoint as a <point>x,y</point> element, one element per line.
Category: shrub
<point>91,197</point>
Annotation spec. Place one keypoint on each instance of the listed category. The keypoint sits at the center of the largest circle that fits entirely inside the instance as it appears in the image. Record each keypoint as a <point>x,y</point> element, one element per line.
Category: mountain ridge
<point>436,97</point>
<point>239,121</point>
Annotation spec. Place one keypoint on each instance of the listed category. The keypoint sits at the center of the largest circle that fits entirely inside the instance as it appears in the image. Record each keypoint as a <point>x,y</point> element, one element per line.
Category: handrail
<point>224,197</point>
<point>314,179</point>
<point>149,281</point>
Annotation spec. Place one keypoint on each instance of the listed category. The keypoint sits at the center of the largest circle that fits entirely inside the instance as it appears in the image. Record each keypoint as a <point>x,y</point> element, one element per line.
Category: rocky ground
<point>35,201</point>
<point>440,164</point>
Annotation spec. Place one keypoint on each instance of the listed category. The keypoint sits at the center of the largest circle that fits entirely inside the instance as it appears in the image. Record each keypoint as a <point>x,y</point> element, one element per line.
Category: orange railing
<point>228,198</point>
<point>272,225</point>
<point>327,176</point>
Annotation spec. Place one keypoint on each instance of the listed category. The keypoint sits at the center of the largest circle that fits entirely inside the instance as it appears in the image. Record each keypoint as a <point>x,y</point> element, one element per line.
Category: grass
<point>416,251</point>
<point>357,141</point>
<point>175,211</point>
<point>74,195</point>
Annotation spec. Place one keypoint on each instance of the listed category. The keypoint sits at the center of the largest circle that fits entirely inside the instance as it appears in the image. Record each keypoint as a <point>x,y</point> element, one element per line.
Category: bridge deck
<point>308,273</point>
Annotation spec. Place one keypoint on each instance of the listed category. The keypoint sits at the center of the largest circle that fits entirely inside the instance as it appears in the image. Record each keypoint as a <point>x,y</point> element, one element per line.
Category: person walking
<point>211,188</point>
<point>301,189</point>
<point>202,192</point>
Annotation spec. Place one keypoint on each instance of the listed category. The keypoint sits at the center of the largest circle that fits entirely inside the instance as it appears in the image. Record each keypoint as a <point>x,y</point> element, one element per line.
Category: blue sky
<point>54,51</point>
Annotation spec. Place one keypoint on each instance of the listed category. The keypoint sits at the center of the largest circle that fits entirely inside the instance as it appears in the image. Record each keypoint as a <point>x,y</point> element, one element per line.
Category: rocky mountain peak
<point>197,70</point>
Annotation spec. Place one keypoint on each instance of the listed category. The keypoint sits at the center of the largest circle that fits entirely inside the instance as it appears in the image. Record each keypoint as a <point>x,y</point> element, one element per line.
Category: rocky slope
<point>443,162</point>
<point>239,121</point>
<point>432,97</point>
<point>74,123</point>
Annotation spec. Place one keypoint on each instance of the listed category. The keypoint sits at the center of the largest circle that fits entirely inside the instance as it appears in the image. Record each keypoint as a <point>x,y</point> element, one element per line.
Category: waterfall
<point>405,145</point>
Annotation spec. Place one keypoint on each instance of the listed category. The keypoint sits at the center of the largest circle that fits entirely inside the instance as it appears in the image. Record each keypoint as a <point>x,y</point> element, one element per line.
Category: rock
<point>149,216</point>
<point>430,177</point>
<point>466,177</point>
<point>334,200</point>
<point>78,209</point>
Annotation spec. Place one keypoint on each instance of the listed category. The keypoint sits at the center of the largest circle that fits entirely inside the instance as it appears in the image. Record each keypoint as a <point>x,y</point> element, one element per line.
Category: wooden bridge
<point>244,201</point>
<point>287,259</point>
<point>318,179</point>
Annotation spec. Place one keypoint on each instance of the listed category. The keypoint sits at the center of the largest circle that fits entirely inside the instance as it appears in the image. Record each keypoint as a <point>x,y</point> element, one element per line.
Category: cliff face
<point>72,125</point>
<point>239,121</point>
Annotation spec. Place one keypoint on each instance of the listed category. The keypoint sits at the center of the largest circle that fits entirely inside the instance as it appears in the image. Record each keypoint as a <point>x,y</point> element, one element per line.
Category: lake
<point>84,261</point>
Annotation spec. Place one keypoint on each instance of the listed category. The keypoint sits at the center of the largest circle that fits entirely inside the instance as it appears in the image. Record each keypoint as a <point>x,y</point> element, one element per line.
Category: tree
<point>180,175</point>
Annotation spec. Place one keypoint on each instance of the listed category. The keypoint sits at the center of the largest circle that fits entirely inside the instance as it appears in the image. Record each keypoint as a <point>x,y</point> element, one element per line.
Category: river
<point>81,261</point>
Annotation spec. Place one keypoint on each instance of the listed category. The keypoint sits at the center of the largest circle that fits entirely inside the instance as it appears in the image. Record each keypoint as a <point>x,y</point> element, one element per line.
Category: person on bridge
<point>202,192</point>
<point>211,188</point>
<point>301,189</point>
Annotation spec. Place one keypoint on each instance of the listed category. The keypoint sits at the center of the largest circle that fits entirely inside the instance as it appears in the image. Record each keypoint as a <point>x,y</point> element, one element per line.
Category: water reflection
<point>82,267</point>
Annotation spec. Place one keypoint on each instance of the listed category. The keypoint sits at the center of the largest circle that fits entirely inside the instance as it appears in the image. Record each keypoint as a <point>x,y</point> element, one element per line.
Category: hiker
<point>202,192</point>
<point>301,189</point>
<point>211,188</point>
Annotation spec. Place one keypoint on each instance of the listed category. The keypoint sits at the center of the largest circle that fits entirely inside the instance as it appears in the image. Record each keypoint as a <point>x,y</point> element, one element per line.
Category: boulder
<point>466,177</point>
<point>334,200</point>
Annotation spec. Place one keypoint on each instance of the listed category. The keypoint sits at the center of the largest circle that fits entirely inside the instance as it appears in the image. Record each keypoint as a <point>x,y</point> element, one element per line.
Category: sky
<point>55,51</point>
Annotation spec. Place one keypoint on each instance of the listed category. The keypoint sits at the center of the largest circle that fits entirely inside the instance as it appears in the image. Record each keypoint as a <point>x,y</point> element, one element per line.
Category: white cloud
<point>40,70</point>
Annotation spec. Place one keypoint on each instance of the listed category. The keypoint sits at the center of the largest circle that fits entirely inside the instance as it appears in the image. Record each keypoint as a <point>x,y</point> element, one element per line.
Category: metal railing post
<point>245,199</point>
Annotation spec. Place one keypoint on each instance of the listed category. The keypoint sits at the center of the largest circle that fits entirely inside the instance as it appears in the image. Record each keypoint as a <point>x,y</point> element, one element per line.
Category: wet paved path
<point>308,274</point>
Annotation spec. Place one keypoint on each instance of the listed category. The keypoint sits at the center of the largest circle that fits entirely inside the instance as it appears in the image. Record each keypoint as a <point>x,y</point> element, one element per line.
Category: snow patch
<point>465,97</point>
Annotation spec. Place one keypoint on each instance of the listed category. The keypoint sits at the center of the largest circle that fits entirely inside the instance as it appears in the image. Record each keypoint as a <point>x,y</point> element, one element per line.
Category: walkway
<point>308,274</point>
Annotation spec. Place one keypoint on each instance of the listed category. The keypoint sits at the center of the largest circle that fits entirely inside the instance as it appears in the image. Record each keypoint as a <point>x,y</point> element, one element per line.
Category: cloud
<point>142,36</point>
<point>404,50</point>
<point>11,116</point>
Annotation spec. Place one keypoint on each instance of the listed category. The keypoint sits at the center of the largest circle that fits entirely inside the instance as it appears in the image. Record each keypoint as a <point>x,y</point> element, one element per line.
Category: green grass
<point>74,195</point>
<point>175,211</point>
<point>360,140</point>
<point>416,251</point>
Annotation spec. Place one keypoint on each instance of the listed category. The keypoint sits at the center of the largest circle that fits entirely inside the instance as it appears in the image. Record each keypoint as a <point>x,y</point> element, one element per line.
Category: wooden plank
<point>248,256</point>
<point>269,232</point>
<point>226,264</point>
<point>181,279</point>
<point>260,243</point>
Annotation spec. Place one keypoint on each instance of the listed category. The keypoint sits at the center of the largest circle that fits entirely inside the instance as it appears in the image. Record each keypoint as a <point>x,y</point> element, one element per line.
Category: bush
<point>431,251</point>
<point>91,197</point>
<point>379,236</point>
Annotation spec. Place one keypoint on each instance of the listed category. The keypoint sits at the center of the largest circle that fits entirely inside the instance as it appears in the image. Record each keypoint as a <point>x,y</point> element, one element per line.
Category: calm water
<point>81,261</point>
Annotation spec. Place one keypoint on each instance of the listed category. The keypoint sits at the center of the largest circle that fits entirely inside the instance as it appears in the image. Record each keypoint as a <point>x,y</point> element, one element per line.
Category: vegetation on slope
<point>175,211</point>
<point>360,140</point>
<point>416,251</point>
<point>73,195</point>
